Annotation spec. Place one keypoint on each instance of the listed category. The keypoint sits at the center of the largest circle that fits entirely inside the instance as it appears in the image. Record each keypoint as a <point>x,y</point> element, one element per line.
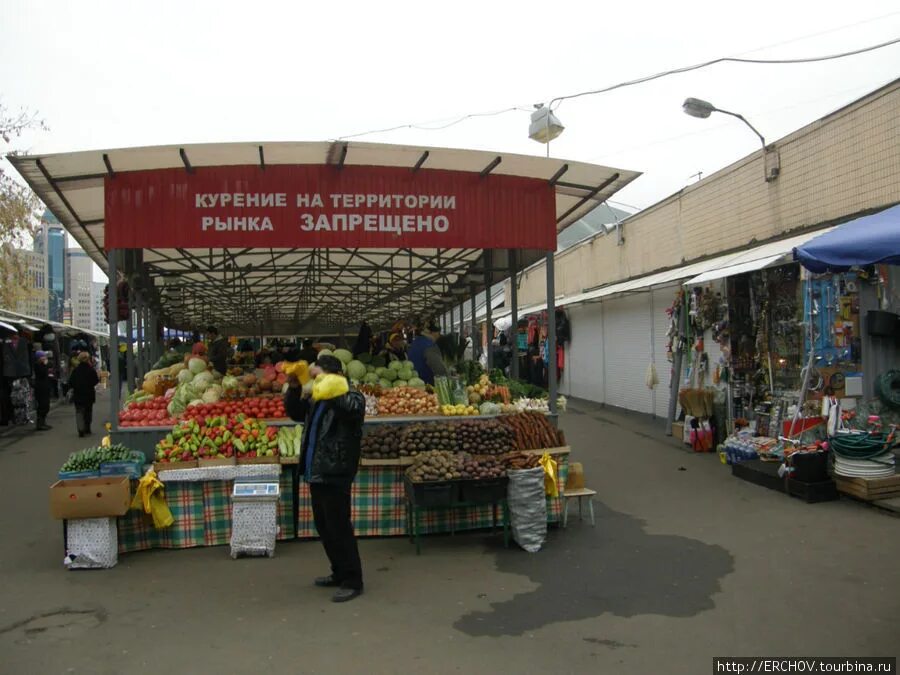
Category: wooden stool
<point>579,493</point>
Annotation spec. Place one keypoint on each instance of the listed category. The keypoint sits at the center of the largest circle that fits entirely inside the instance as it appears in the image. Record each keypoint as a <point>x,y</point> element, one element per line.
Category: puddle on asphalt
<point>615,568</point>
<point>64,624</point>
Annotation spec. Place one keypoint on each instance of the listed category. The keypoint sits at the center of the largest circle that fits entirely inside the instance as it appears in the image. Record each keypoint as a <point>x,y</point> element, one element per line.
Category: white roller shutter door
<point>583,376</point>
<point>627,325</point>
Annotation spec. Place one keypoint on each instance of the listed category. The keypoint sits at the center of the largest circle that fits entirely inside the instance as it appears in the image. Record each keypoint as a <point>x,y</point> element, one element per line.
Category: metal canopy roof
<point>308,290</point>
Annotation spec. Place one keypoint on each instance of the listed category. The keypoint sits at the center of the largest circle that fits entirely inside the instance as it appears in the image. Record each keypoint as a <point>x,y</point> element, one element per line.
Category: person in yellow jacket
<point>329,456</point>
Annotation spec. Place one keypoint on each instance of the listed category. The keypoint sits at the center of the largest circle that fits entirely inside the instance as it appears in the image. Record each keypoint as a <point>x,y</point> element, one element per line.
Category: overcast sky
<point>113,74</point>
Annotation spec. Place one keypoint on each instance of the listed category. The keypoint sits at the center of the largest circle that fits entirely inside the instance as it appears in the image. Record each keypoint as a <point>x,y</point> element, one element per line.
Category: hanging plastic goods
<point>651,379</point>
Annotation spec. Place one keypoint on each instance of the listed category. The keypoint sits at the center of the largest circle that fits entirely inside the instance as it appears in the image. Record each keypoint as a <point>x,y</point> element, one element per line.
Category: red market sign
<point>320,206</point>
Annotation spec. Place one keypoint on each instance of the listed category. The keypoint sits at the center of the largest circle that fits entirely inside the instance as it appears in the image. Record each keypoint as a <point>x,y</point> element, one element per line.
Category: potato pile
<point>435,465</point>
<point>407,401</point>
<point>418,438</point>
<point>381,442</point>
<point>484,437</point>
<point>479,468</point>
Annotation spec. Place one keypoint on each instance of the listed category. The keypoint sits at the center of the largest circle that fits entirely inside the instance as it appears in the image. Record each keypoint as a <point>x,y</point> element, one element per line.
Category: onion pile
<point>407,401</point>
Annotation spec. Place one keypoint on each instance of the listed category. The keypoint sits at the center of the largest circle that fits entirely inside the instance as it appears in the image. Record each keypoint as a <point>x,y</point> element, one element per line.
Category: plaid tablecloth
<point>202,512</point>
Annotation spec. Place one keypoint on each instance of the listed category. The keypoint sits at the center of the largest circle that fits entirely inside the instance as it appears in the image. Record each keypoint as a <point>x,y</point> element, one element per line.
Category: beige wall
<point>838,166</point>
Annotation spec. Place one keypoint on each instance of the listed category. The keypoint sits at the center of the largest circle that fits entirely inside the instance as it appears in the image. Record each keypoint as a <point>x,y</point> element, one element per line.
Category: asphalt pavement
<point>685,563</point>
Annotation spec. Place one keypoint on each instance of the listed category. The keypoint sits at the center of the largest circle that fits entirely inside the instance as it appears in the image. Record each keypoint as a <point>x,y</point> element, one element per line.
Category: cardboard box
<point>102,497</point>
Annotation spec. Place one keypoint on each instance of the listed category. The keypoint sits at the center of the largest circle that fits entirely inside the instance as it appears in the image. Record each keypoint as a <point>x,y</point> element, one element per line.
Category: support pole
<point>139,344</point>
<point>551,331</point>
<point>514,307</point>
<point>489,323</point>
<point>129,336</point>
<point>115,381</point>
<point>151,338</point>
<point>474,325</point>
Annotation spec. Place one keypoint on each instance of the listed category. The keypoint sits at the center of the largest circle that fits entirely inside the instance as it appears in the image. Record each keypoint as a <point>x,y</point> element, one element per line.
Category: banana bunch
<point>289,440</point>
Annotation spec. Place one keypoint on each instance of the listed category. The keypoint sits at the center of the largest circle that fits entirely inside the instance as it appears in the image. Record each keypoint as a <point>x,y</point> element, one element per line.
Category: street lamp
<point>545,126</point>
<point>701,109</point>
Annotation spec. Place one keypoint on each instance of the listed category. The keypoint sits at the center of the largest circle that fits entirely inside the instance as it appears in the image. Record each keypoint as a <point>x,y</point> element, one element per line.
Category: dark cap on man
<point>330,364</point>
<point>212,329</point>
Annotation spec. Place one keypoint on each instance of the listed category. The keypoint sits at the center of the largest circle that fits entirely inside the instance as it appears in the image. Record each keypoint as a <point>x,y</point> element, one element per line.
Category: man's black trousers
<point>331,511</point>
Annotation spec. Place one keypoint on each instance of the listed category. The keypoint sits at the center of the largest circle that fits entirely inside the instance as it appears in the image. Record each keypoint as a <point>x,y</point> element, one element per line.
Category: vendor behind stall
<point>219,350</point>
<point>395,349</point>
<point>425,354</point>
<point>308,353</point>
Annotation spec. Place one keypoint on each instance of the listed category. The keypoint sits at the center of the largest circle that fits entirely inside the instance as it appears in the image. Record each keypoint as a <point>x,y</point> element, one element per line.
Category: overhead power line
<point>555,102</point>
<point>725,59</point>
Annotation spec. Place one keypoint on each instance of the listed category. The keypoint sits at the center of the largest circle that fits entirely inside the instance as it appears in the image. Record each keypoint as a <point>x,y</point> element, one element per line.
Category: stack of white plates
<point>879,467</point>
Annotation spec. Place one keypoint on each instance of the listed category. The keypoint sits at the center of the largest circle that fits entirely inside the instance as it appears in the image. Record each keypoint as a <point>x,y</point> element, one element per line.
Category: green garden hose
<point>860,446</point>
<point>887,386</point>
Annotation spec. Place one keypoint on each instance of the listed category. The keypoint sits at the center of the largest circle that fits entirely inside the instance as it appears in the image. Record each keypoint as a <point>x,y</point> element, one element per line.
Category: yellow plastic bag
<point>328,386</point>
<point>149,499</point>
<point>551,484</point>
<point>298,368</point>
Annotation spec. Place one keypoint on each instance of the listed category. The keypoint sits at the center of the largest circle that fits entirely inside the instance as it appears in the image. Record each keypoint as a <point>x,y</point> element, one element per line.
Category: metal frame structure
<point>312,291</point>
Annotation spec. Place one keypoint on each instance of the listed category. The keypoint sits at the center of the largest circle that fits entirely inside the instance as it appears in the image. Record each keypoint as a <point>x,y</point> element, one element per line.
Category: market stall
<point>806,384</point>
<point>304,239</point>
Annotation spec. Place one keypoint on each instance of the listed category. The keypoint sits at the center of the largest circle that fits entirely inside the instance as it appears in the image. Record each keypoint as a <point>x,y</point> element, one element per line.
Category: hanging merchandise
<point>563,328</point>
<point>651,379</point>
<point>22,398</point>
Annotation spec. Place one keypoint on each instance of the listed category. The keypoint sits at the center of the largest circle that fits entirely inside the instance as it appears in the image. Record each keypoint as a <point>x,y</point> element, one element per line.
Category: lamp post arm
<point>744,120</point>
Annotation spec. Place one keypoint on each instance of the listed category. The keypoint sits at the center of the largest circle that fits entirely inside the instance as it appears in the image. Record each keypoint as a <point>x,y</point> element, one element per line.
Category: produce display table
<point>200,501</point>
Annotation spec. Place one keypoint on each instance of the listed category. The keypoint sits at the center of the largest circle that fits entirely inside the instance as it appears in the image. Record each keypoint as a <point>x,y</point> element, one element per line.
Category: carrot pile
<point>496,391</point>
<point>532,431</point>
<point>519,460</point>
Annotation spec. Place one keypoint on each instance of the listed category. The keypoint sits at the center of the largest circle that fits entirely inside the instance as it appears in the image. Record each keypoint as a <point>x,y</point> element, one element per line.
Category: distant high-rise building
<point>98,315</point>
<point>50,242</point>
<point>35,301</point>
<point>79,281</point>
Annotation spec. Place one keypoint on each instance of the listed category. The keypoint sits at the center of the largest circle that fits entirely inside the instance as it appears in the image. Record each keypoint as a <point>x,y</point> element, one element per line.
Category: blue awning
<point>869,240</point>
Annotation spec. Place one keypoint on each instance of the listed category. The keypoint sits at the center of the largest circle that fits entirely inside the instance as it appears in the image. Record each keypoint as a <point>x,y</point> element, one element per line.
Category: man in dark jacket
<point>83,381</point>
<point>219,350</point>
<point>330,452</point>
<point>425,355</point>
<point>42,390</point>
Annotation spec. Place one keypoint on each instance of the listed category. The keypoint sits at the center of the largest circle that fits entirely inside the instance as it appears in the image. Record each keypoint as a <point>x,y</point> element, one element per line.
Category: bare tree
<point>19,211</point>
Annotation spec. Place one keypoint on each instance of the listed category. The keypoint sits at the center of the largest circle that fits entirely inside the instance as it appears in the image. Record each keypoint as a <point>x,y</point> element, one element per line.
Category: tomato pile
<point>259,408</point>
<point>150,413</point>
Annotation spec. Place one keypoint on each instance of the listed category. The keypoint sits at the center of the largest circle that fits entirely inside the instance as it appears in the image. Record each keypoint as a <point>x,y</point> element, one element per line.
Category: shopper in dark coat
<point>83,382</point>
<point>42,390</point>
<point>16,363</point>
<point>330,452</point>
